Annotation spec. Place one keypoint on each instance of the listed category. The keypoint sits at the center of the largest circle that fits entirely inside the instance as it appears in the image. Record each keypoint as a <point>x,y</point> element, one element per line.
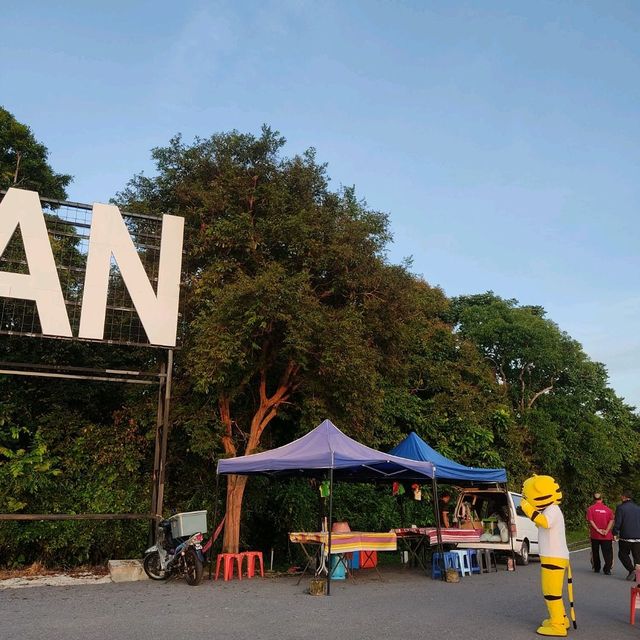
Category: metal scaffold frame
<point>68,225</point>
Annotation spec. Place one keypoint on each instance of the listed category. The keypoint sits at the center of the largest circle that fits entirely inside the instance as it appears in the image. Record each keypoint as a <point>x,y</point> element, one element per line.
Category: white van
<point>483,502</point>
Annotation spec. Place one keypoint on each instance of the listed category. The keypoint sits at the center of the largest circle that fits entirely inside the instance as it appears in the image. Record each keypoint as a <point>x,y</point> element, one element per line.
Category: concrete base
<point>126,570</point>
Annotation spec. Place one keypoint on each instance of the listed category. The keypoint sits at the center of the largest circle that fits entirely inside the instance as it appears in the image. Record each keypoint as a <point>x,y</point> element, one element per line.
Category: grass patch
<point>578,538</point>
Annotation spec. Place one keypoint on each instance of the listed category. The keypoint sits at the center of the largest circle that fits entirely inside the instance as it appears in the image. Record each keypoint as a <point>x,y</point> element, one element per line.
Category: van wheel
<point>523,557</point>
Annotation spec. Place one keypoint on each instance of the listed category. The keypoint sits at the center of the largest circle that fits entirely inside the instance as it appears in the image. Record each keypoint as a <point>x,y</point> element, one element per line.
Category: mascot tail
<point>570,592</point>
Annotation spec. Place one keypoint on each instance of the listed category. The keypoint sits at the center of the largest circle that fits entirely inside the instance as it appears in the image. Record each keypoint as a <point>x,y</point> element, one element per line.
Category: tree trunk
<point>17,171</point>
<point>235,492</point>
<point>266,411</point>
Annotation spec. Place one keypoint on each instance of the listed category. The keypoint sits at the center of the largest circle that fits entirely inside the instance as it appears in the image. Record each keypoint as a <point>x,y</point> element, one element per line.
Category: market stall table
<point>416,539</point>
<point>341,543</point>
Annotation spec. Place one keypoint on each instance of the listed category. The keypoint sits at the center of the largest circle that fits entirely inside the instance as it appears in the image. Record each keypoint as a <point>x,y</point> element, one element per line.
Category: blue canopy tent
<point>327,451</point>
<point>414,447</point>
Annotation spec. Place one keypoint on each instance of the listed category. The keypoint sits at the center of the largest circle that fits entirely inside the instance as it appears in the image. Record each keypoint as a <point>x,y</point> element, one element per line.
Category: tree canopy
<point>292,307</point>
<point>566,417</point>
<point>24,161</point>
<point>292,314</point>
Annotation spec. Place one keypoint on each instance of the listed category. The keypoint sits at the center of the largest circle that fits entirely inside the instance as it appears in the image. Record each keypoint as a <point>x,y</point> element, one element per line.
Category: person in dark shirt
<point>626,529</point>
<point>443,508</point>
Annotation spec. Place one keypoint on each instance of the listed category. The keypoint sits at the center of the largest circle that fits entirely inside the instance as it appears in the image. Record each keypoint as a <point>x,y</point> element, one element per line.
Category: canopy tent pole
<point>329,568</point>
<point>436,507</point>
<point>513,551</point>
<point>215,523</point>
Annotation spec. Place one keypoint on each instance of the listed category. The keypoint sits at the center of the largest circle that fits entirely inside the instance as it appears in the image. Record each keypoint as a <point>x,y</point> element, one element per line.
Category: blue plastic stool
<point>464,567</point>
<point>353,559</point>
<point>450,560</point>
<point>474,564</point>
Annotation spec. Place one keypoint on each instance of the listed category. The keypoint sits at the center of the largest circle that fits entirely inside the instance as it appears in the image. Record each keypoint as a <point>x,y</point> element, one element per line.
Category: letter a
<point>158,313</point>
<point>20,207</point>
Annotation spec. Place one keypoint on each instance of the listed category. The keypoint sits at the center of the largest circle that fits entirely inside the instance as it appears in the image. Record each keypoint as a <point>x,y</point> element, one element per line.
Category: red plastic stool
<point>635,594</point>
<point>229,559</point>
<point>251,563</point>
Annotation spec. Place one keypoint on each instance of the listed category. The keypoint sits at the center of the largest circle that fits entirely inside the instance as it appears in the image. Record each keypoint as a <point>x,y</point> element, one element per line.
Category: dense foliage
<point>565,419</point>
<point>23,161</point>
<point>293,314</point>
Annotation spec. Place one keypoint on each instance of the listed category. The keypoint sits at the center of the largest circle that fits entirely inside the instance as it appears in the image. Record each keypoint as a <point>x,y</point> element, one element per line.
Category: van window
<point>517,499</point>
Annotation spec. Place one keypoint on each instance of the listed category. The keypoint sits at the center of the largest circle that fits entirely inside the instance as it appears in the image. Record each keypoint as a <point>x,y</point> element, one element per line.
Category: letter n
<point>158,313</point>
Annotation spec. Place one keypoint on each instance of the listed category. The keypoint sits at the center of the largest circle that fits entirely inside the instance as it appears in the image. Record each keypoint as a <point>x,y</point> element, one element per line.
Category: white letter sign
<point>158,313</point>
<point>109,236</point>
<point>23,208</point>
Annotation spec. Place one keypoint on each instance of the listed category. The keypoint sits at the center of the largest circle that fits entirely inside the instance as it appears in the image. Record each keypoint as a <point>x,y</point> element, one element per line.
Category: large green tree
<point>567,421</point>
<point>292,308</point>
<point>282,276</point>
<point>24,161</point>
<point>529,353</point>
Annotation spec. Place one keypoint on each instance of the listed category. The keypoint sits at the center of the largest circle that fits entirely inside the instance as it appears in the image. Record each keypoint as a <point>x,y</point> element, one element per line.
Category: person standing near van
<point>626,529</point>
<point>600,519</point>
<point>443,508</point>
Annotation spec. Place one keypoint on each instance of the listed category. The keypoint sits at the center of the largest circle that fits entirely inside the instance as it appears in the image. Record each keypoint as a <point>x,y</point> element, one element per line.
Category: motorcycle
<point>175,556</point>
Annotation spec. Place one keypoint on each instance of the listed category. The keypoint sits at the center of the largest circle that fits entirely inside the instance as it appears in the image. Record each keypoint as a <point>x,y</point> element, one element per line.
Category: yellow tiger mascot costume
<point>540,498</point>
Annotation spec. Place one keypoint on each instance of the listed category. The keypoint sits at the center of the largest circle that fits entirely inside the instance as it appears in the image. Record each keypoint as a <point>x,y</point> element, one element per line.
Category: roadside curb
<point>126,571</point>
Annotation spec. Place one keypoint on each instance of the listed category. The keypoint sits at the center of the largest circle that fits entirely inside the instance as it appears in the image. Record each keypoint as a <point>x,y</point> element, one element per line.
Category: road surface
<point>406,605</point>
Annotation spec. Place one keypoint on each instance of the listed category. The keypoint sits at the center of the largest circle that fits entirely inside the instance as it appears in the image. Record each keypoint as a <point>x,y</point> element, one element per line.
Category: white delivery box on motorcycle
<point>188,523</point>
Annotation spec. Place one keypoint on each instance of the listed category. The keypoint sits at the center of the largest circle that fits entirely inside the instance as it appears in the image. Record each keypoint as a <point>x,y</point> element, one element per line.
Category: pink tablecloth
<point>449,536</point>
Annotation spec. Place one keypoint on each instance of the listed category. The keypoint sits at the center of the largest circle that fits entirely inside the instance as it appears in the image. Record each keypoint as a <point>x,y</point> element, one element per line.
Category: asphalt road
<point>497,606</point>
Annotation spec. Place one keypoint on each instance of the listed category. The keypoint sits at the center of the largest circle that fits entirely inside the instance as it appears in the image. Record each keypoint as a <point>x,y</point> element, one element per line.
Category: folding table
<point>342,543</point>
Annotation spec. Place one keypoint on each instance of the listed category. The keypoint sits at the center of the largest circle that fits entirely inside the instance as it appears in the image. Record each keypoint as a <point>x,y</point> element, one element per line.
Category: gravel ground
<point>53,580</point>
<point>503,605</point>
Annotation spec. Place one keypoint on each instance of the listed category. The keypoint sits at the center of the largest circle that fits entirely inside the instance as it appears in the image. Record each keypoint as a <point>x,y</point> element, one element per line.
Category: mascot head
<point>541,491</point>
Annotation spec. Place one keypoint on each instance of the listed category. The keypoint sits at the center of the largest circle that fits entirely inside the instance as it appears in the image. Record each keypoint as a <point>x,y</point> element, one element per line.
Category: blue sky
<point>503,138</point>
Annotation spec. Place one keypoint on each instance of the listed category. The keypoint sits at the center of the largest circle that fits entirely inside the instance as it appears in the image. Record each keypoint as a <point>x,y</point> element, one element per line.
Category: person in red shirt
<point>600,519</point>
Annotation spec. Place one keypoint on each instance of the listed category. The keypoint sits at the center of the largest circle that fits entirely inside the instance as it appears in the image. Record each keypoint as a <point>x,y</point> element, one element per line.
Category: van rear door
<point>482,498</point>
<point>525,528</point>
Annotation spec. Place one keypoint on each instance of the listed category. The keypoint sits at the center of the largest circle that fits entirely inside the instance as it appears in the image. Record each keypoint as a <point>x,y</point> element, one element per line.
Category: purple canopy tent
<point>327,449</point>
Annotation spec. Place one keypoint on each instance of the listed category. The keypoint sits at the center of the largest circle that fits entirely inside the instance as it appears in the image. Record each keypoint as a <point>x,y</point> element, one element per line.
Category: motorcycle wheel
<point>193,568</point>
<point>152,568</point>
